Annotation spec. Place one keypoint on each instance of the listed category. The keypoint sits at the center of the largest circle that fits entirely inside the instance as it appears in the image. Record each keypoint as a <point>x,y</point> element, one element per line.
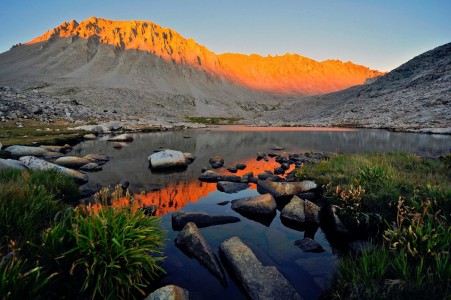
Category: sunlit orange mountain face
<point>287,74</point>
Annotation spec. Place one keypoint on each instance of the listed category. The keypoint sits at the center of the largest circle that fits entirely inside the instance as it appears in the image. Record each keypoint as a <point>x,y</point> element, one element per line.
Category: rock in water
<point>167,159</point>
<point>97,158</point>
<point>72,161</point>
<point>284,189</point>
<point>169,292</point>
<point>216,162</point>
<point>294,211</point>
<point>231,187</point>
<point>91,167</point>
<point>19,151</point>
<point>34,163</point>
<point>121,138</point>
<point>259,282</point>
<point>309,245</point>
<point>181,218</point>
<point>193,243</point>
<point>262,205</point>
<point>11,163</point>
<point>90,136</point>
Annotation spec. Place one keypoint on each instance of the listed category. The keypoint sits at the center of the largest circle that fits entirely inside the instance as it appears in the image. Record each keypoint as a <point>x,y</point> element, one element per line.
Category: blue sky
<point>381,34</point>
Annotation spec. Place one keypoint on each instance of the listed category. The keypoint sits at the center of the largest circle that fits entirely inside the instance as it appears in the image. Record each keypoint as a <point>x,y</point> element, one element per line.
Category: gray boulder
<point>294,211</point>
<point>258,281</point>
<point>262,205</point>
<point>216,162</point>
<point>284,189</point>
<point>167,159</point>
<point>180,219</point>
<point>72,161</point>
<point>34,163</point>
<point>191,241</point>
<point>19,151</point>
<point>11,163</point>
<point>169,292</point>
<point>231,187</point>
<point>121,138</point>
<point>311,211</point>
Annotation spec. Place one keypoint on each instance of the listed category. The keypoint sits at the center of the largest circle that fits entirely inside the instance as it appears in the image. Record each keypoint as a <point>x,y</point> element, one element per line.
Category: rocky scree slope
<point>414,96</point>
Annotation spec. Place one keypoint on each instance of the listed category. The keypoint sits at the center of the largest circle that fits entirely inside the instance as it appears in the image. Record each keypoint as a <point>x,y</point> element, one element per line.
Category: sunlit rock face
<point>286,74</point>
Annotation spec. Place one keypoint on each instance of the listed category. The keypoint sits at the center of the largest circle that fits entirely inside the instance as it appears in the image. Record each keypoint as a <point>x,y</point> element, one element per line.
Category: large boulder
<point>19,151</point>
<point>191,241</point>
<point>258,281</point>
<point>11,163</point>
<point>262,205</point>
<point>34,163</point>
<point>293,212</point>
<point>167,159</point>
<point>284,189</point>
<point>169,292</point>
<point>72,161</point>
<point>231,187</point>
<point>216,162</point>
<point>121,138</point>
<point>181,218</point>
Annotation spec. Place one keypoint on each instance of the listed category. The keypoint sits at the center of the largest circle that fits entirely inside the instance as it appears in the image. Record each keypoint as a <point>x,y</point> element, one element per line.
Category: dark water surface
<point>309,273</point>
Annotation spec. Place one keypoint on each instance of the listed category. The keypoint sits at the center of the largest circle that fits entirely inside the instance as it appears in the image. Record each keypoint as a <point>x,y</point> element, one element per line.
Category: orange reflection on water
<point>176,195</point>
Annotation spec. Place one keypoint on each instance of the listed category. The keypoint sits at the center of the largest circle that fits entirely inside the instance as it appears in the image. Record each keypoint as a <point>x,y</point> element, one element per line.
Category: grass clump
<point>402,202</point>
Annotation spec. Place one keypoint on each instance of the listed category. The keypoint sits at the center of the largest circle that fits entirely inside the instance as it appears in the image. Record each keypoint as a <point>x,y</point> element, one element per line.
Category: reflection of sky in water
<point>273,245</point>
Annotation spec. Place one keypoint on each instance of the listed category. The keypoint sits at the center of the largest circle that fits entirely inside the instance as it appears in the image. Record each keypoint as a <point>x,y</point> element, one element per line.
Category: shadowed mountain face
<point>415,95</point>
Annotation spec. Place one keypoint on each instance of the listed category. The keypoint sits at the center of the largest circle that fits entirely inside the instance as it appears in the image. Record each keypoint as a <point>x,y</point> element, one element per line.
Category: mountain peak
<point>288,73</point>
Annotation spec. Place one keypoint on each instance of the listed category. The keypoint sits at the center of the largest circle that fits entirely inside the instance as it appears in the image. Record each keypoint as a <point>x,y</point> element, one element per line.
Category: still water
<point>309,273</point>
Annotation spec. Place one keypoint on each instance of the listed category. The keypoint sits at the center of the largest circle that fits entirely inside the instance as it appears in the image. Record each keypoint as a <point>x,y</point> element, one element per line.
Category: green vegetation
<point>34,132</point>
<point>403,203</point>
<point>214,120</point>
<point>48,248</point>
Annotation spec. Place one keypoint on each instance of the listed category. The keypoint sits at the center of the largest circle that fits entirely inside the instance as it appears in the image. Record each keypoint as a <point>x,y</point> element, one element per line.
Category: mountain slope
<point>416,95</point>
<point>288,74</point>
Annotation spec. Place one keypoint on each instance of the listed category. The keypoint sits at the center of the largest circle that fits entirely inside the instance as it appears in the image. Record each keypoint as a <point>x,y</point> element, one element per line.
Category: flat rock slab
<point>121,138</point>
<point>262,205</point>
<point>19,151</point>
<point>12,164</point>
<point>92,167</point>
<point>259,282</point>
<point>191,241</point>
<point>284,189</point>
<point>231,187</point>
<point>72,161</point>
<point>167,159</point>
<point>181,218</point>
<point>309,245</point>
<point>212,176</point>
<point>34,163</point>
<point>169,292</point>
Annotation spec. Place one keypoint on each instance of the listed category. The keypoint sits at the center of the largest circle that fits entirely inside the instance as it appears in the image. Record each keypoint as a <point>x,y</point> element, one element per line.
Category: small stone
<point>309,245</point>
<point>241,166</point>
<point>232,169</point>
<point>216,162</point>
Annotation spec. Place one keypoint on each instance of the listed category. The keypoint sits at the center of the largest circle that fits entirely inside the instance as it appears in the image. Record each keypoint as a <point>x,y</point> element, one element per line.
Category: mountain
<point>141,68</point>
<point>414,96</point>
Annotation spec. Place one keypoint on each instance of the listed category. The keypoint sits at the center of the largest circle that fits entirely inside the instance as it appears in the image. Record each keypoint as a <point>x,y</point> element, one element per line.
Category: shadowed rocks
<point>181,218</point>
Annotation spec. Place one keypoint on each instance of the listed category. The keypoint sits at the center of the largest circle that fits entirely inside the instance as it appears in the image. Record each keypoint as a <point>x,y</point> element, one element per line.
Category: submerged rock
<point>11,163</point>
<point>181,218</point>
<point>258,281</point>
<point>231,187</point>
<point>167,159</point>
<point>91,167</point>
<point>34,163</point>
<point>309,245</point>
<point>284,189</point>
<point>191,241</point>
<point>169,292</point>
<point>216,162</point>
<point>121,138</point>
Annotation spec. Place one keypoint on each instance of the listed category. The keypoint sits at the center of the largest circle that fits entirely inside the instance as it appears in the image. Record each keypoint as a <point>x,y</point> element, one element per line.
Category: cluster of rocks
<point>53,158</point>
